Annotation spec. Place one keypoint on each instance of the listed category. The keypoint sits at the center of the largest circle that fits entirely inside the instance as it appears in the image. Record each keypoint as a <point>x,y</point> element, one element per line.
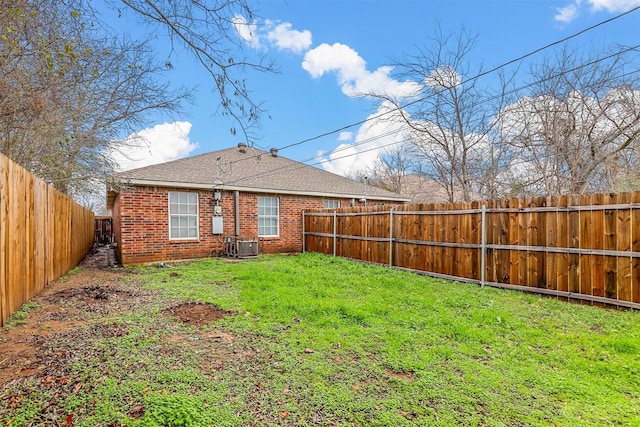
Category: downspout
<point>236,212</point>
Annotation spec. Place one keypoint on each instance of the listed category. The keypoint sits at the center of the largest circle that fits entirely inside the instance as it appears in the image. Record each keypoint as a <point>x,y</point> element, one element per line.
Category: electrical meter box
<point>217,225</point>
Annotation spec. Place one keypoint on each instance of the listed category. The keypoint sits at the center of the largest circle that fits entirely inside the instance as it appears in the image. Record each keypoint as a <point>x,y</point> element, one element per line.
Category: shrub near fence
<point>43,234</point>
<point>578,247</point>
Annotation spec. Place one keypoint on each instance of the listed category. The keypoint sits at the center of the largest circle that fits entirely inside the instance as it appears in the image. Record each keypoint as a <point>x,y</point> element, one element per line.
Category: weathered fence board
<point>585,248</point>
<point>43,234</point>
<point>635,247</point>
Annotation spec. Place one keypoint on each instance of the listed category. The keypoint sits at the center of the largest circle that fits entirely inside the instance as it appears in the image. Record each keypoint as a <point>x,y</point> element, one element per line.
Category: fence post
<point>483,246</point>
<point>304,238</point>
<point>335,225</point>
<point>391,238</point>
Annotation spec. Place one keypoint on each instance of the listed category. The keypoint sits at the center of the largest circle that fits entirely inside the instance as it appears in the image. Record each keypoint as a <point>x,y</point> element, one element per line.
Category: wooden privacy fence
<point>43,234</point>
<point>578,247</point>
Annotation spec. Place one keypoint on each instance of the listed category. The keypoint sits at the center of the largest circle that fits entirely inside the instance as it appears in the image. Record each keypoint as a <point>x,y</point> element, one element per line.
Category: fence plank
<point>598,243</point>
<point>540,234</point>
<point>502,273</point>
<point>40,224</point>
<point>551,241</point>
<point>562,260</point>
<point>610,219</point>
<point>15,239</point>
<point>623,243</point>
<point>492,231</point>
<point>4,224</point>
<point>447,233</point>
<point>574,242</point>
<point>431,237</point>
<point>635,239</point>
<point>586,242</point>
<point>475,230</point>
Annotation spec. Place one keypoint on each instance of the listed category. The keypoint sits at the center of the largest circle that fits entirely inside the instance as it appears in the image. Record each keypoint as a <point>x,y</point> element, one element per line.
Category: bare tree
<point>389,170</point>
<point>451,119</point>
<point>210,32</point>
<point>70,87</point>
<point>579,129</point>
<point>68,92</point>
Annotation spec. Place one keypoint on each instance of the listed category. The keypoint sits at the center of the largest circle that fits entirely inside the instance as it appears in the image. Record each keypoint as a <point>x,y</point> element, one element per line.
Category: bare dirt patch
<point>198,313</point>
<point>68,305</point>
<point>401,375</point>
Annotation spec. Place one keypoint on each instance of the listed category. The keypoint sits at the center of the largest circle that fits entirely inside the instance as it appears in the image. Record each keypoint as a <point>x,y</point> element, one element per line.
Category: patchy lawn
<point>311,340</point>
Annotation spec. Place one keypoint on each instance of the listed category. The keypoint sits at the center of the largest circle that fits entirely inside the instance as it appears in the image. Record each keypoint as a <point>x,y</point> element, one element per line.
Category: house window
<point>268,217</point>
<point>331,204</point>
<point>183,215</point>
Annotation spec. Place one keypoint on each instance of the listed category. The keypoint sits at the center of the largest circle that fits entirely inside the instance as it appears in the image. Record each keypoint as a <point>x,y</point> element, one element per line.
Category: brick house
<point>198,206</point>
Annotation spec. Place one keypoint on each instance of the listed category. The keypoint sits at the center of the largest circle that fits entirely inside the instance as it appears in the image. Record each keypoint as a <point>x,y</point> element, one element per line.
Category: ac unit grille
<point>247,248</point>
<point>240,247</point>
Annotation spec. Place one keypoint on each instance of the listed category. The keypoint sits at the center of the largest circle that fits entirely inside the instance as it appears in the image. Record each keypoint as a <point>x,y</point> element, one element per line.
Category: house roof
<point>423,190</point>
<point>254,171</point>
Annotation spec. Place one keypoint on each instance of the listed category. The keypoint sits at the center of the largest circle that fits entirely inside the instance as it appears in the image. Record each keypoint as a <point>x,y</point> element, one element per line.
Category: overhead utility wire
<point>477,76</point>
<point>487,100</point>
<point>304,163</point>
<point>482,74</point>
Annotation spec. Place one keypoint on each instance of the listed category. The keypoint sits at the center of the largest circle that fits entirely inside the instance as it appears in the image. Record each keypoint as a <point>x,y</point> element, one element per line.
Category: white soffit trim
<point>222,187</point>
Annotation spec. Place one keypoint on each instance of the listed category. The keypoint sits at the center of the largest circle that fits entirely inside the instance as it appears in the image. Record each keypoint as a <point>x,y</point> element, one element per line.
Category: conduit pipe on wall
<point>236,212</point>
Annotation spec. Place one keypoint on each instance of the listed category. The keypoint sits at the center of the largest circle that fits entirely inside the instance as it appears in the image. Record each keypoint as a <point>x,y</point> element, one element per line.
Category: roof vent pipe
<point>274,152</point>
<point>242,147</point>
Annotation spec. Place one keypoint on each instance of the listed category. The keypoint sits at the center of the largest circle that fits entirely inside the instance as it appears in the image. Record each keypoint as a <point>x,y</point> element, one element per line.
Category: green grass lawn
<point>318,340</point>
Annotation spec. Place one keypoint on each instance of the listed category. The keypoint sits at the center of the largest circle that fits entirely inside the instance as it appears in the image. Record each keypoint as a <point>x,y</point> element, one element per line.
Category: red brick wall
<point>141,224</point>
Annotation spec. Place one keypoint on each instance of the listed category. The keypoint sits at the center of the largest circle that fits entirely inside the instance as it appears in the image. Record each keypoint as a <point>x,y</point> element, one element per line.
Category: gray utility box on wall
<point>217,225</point>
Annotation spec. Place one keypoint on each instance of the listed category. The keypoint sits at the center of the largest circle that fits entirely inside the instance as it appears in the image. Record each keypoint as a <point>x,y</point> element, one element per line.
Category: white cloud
<point>570,12</point>
<point>284,38</point>
<point>352,74</point>
<point>161,143</point>
<point>373,138</point>
<point>613,5</point>
<point>443,77</point>
<point>260,35</point>
<point>247,31</point>
<point>337,57</point>
<point>345,136</point>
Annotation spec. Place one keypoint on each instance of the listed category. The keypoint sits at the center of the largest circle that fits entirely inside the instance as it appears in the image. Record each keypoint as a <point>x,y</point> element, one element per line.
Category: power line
<point>477,76</point>
<point>381,136</point>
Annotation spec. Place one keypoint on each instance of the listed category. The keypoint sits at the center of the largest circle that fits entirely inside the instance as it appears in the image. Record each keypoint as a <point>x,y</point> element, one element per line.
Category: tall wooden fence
<point>576,247</point>
<point>43,234</point>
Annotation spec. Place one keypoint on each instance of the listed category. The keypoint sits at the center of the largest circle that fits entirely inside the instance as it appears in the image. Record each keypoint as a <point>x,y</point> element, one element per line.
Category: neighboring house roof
<point>253,171</point>
<point>423,190</point>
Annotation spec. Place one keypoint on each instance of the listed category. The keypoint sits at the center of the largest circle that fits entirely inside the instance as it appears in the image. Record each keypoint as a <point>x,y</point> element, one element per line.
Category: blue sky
<point>326,49</point>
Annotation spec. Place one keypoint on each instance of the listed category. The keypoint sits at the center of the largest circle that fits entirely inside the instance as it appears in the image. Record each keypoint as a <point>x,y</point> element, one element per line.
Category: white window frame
<point>187,215</point>
<point>332,204</point>
<point>268,216</point>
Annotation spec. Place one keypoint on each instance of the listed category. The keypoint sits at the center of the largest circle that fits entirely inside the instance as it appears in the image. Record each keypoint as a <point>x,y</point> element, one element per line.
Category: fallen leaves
<point>136,411</point>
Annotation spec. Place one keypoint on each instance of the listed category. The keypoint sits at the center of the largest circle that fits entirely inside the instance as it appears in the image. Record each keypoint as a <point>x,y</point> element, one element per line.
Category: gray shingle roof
<point>255,170</point>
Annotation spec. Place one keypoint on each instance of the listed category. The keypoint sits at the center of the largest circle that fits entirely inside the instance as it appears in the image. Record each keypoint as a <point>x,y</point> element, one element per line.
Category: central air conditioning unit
<point>247,247</point>
<point>240,247</point>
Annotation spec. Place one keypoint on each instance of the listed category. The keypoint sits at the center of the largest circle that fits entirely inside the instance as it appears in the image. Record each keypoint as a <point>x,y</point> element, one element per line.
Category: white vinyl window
<point>268,217</point>
<point>331,204</point>
<point>183,215</point>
